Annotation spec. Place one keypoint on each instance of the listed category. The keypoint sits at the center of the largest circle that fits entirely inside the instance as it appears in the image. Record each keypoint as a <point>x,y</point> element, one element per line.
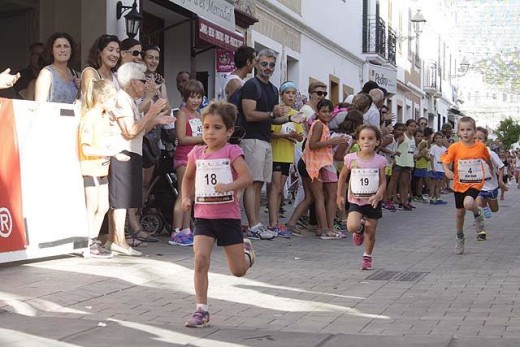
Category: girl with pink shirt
<point>189,134</point>
<point>366,189</point>
<point>214,174</point>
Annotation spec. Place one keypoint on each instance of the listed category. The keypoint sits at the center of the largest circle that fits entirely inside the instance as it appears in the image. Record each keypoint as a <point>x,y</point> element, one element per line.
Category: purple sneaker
<point>182,239</point>
<point>281,232</point>
<point>200,319</point>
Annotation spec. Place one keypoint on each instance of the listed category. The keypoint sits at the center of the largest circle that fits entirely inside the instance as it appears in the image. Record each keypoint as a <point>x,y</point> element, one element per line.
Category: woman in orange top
<point>468,176</point>
<point>318,158</point>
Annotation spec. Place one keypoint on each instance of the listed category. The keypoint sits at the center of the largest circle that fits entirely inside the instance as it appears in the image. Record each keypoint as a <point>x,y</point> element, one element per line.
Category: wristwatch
<point>271,114</point>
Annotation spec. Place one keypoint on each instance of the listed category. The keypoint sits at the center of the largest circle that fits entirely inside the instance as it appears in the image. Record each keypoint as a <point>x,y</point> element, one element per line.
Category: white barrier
<point>44,195</point>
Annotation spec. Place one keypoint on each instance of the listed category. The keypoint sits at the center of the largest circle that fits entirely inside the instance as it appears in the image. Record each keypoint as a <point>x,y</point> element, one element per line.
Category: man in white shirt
<point>245,60</point>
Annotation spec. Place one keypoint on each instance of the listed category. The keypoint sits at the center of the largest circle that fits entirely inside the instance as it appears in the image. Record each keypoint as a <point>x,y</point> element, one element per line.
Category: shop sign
<point>225,60</point>
<point>219,12</point>
<point>218,36</point>
<point>384,77</point>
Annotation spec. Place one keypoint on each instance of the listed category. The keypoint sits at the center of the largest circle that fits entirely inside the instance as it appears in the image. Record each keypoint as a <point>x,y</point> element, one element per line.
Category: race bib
<point>209,173</point>
<point>196,127</point>
<point>287,128</point>
<point>470,171</point>
<point>364,182</point>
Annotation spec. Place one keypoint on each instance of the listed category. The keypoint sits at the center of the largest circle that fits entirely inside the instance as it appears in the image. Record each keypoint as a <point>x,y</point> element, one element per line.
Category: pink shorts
<point>179,162</point>
<point>328,174</point>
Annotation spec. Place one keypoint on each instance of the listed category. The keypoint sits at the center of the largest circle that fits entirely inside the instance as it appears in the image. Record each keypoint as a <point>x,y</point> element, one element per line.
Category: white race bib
<point>287,128</point>
<point>196,127</point>
<point>470,171</point>
<point>209,173</point>
<point>364,182</point>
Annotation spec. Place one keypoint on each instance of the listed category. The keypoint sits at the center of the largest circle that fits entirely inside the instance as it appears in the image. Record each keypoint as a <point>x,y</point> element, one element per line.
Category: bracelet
<point>289,118</point>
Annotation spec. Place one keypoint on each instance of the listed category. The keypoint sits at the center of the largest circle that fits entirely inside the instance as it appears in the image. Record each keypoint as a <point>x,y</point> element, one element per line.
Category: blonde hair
<point>98,91</point>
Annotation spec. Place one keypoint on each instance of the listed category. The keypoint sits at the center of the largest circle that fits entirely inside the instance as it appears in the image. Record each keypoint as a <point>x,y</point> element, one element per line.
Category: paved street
<point>301,292</point>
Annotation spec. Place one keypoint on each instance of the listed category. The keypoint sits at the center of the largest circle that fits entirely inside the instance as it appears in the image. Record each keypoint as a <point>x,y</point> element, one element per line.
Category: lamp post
<point>418,22</point>
<point>132,20</point>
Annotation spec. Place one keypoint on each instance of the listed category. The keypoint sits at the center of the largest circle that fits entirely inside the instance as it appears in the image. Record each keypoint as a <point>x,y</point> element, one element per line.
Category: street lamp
<point>418,22</point>
<point>132,20</point>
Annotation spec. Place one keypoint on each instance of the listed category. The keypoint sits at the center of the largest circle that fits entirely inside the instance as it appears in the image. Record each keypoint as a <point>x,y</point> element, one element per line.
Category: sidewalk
<point>301,292</point>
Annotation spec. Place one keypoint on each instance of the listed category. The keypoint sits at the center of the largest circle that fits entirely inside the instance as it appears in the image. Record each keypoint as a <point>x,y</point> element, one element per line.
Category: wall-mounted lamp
<point>463,69</point>
<point>418,22</point>
<point>132,20</point>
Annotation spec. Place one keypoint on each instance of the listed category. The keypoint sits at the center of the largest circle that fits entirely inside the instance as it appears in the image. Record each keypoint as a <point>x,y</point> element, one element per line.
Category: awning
<point>218,36</point>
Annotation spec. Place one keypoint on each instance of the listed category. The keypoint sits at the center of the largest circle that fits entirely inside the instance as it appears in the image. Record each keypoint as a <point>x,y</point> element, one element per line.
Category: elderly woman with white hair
<point>126,175</point>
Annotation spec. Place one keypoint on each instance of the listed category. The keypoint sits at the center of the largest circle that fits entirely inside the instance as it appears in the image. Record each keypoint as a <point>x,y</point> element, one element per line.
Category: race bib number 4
<point>196,127</point>
<point>364,182</point>
<point>470,171</point>
<point>209,174</point>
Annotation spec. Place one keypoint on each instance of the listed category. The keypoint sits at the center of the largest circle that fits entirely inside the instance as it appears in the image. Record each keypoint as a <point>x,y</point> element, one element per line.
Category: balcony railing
<point>432,84</point>
<point>392,45</point>
<point>374,36</point>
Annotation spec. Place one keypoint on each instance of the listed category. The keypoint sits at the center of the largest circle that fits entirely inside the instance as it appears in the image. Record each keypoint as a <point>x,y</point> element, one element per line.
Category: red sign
<point>225,60</point>
<point>12,230</point>
<point>218,36</point>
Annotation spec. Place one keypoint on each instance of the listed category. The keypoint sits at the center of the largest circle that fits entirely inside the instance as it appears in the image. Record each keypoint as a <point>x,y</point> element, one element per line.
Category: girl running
<point>214,174</point>
<point>189,133</point>
<point>367,184</point>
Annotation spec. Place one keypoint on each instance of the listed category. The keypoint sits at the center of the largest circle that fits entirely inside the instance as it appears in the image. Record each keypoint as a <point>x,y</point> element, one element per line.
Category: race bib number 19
<point>209,174</point>
<point>364,182</point>
<point>470,171</point>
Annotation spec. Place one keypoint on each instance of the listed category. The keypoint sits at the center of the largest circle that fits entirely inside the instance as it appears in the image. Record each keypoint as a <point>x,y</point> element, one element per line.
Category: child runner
<point>404,164</point>
<point>214,174</point>
<point>436,175</point>
<point>390,152</point>
<point>367,186</point>
<point>95,148</point>
<point>189,133</point>
<point>283,140</point>
<point>487,198</point>
<point>468,176</point>
<point>318,158</point>
<point>517,169</point>
<point>504,157</point>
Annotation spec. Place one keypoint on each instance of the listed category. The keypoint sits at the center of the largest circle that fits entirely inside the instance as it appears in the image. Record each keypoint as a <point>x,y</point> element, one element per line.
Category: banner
<point>12,230</point>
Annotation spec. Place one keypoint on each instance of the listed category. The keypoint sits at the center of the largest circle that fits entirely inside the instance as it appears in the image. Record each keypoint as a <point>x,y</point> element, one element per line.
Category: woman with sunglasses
<point>102,62</point>
<point>131,51</point>
<point>58,82</point>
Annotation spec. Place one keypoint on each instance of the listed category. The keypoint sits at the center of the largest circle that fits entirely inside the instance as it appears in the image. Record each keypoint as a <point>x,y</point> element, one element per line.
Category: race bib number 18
<point>209,173</point>
<point>470,171</point>
<point>364,182</point>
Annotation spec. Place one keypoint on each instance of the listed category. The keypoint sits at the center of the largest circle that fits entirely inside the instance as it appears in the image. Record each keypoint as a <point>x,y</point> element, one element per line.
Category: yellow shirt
<point>94,130</point>
<point>283,149</point>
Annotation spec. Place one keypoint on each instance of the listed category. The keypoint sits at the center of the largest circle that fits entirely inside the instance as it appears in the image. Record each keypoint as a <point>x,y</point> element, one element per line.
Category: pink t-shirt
<point>223,210</point>
<point>353,161</point>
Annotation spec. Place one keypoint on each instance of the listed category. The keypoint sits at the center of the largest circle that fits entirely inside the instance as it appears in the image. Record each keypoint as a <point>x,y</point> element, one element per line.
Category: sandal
<point>329,235</point>
<point>142,235</point>
<point>133,242</point>
<point>294,230</point>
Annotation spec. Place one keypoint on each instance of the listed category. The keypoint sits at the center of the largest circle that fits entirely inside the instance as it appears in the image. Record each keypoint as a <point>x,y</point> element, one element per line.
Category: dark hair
<point>351,122</point>
<point>47,56</point>
<point>410,121</point>
<point>94,59</point>
<point>243,54</point>
<point>128,43</point>
<point>151,47</point>
<point>325,103</point>
<point>33,45</point>
<point>438,133</point>
<point>367,87</point>
<point>484,131</point>
<point>183,72</point>
<point>419,131</point>
<point>399,125</point>
<point>428,131</point>
<point>192,87</point>
<point>227,111</point>
<point>369,127</point>
<point>361,101</point>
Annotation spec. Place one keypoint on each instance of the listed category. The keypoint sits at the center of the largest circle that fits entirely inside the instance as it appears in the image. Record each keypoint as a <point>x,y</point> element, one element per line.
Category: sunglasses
<point>135,53</point>
<point>264,64</point>
<point>320,93</point>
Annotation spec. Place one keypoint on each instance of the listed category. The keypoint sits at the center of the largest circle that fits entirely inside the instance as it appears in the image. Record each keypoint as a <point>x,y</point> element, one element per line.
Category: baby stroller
<point>157,212</point>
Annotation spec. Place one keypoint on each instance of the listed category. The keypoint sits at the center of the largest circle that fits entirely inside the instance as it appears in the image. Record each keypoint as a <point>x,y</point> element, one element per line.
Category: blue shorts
<point>420,172</point>
<point>436,175</point>
<point>489,194</point>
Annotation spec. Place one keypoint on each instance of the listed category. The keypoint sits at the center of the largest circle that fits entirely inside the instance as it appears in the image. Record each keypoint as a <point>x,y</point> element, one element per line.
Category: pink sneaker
<point>358,238</point>
<point>366,263</point>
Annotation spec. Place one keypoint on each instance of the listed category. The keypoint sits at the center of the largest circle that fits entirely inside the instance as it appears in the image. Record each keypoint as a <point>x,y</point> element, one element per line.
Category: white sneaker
<point>260,232</point>
<point>459,247</point>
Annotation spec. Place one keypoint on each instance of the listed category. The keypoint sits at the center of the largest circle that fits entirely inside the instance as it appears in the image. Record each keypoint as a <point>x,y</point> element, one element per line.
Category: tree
<point>508,132</point>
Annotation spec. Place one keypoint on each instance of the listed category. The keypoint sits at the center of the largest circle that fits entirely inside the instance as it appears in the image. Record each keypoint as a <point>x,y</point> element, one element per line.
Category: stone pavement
<point>301,292</point>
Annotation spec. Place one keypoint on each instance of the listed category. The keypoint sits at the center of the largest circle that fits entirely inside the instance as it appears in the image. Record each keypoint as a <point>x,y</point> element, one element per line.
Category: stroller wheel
<point>152,223</point>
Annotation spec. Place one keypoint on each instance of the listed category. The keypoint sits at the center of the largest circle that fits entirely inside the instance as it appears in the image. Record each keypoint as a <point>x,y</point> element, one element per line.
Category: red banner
<point>218,36</point>
<point>12,230</point>
<point>225,60</point>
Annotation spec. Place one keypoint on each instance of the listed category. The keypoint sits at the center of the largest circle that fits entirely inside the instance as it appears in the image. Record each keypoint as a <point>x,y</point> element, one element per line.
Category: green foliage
<point>508,132</point>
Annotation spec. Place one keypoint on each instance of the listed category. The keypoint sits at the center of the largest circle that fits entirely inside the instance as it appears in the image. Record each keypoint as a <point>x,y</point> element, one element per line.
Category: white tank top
<point>227,79</point>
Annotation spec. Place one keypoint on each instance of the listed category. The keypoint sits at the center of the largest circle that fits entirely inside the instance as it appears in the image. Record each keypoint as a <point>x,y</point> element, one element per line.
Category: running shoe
<point>200,319</point>
<point>339,226</point>
<point>260,232</point>
<point>479,221</point>
<point>441,202</point>
<point>389,205</point>
<point>405,207</point>
<point>280,232</point>
<point>97,251</point>
<point>487,212</point>
<point>459,246</point>
<point>420,198</point>
<point>366,263</point>
<point>248,249</point>
<point>481,236</point>
<point>294,230</point>
<point>434,201</point>
<point>181,239</point>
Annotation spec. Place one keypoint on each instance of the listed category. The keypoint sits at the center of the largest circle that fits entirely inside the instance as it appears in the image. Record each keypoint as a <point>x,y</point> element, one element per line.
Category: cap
<point>287,84</point>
